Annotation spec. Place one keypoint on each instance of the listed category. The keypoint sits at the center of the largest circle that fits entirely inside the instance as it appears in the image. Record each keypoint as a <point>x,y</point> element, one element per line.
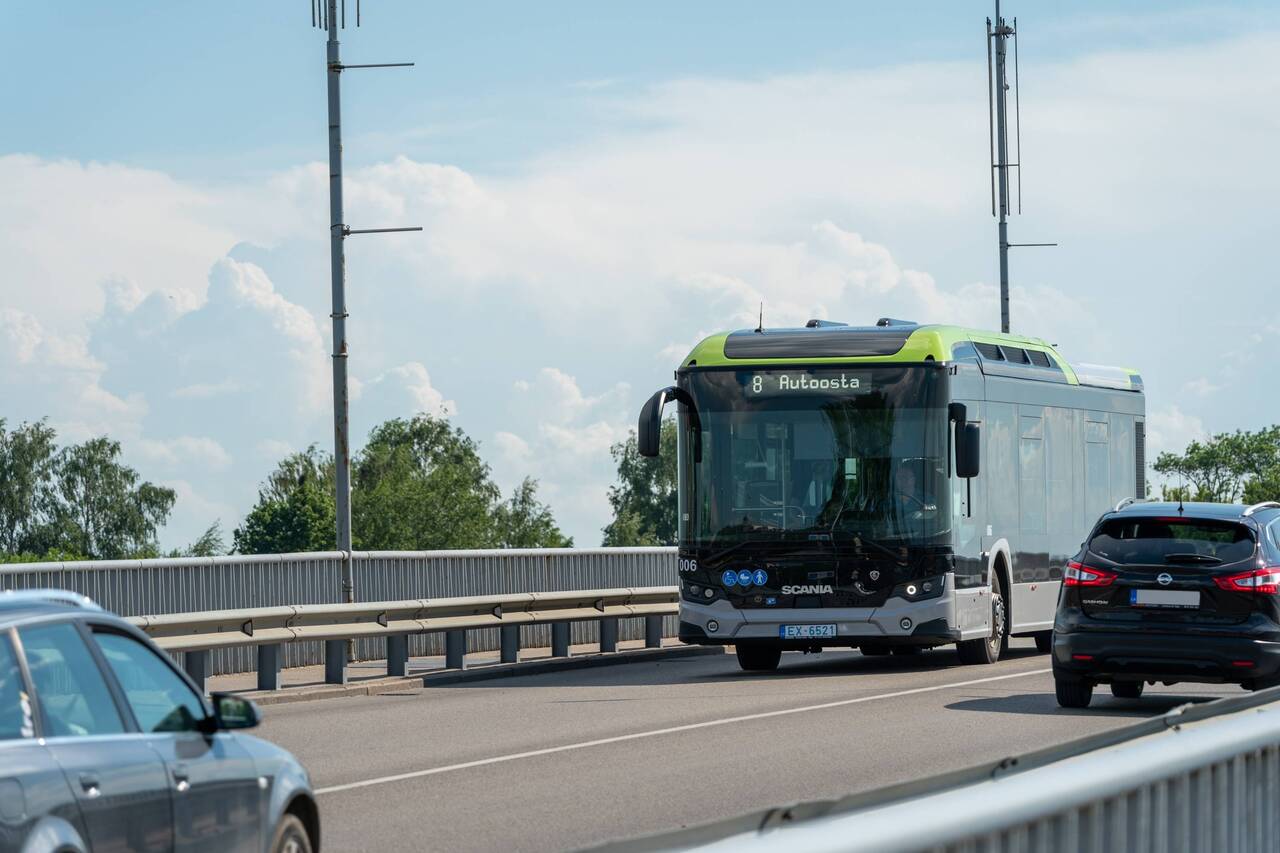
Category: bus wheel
<point>760,658</point>
<point>987,650</point>
<point>1044,641</point>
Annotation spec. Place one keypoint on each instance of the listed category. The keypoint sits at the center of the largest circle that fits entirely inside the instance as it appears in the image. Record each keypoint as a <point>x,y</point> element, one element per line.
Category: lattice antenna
<point>999,33</point>
<point>320,14</point>
<point>330,16</point>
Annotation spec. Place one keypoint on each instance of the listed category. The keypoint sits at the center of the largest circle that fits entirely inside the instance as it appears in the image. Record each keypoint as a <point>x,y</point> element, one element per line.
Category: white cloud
<point>186,450</point>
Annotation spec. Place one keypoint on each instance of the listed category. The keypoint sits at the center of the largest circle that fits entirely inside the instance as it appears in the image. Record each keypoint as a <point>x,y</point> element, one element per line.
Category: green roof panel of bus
<point>829,344</point>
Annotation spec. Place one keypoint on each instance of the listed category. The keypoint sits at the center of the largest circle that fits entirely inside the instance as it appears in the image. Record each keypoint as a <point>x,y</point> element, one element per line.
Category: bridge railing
<point>1201,777</point>
<point>167,586</point>
<point>268,629</point>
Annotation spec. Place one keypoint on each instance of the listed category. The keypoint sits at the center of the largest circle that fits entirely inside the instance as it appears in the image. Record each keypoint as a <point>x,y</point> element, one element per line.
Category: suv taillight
<point>1261,581</point>
<point>1078,574</point>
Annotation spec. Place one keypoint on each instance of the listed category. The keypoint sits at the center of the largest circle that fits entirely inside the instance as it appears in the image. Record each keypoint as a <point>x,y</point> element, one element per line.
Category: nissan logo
<point>1164,579</point>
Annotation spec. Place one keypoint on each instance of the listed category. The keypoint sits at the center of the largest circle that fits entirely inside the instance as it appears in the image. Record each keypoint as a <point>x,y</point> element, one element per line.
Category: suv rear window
<point>1155,540</point>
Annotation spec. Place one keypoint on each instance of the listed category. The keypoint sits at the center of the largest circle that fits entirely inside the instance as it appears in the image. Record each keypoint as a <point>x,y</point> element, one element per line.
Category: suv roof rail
<point>48,596</point>
<point>1263,505</point>
<point>1124,503</point>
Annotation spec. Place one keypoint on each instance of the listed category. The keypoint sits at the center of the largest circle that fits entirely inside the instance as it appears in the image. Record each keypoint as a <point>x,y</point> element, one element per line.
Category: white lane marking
<point>764,715</point>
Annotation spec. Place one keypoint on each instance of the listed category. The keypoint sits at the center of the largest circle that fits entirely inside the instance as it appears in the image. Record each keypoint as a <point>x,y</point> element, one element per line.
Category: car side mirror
<point>968,450</point>
<point>234,712</point>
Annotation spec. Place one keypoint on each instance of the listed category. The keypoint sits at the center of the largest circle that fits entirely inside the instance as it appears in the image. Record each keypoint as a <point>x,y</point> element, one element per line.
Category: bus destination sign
<point>773,384</point>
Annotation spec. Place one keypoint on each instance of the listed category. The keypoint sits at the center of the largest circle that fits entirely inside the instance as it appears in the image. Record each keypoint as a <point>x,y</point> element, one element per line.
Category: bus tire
<point>987,649</point>
<point>759,658</point>
<point>1073,692</point>
<point>1044,641</point>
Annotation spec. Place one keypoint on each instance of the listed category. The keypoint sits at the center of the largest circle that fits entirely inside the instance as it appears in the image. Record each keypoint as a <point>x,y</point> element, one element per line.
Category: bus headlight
<point>922,589</point>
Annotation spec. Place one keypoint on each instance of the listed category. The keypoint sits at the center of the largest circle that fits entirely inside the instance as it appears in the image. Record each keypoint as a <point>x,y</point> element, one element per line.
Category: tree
<point>101,509</point>
<point>1226,468</point>
<point>644,499</point>
<point>420,484</point>
<point>26,494</point>
<point>295,509</point>
<point>524,522</point>
<point>210,544</point>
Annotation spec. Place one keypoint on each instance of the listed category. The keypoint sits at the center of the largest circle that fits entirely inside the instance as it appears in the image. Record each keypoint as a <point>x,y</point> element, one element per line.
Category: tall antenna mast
<point>998,37</point>
<point>331,15</point>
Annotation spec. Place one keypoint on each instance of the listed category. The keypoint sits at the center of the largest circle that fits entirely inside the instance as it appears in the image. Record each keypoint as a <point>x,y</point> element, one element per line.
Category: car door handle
<point>181,779</point>
<point>89,782</point>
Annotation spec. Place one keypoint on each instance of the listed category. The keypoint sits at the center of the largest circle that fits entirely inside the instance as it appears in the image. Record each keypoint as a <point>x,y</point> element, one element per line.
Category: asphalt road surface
<point>571,759</point>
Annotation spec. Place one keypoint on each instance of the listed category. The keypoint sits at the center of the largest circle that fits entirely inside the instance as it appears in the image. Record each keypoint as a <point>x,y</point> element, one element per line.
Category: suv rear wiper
<point>1191,558</point>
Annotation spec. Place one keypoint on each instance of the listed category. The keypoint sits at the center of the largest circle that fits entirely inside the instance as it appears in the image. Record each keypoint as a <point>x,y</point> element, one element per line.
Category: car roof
<point>18,606</point>
<point>1190,509</point>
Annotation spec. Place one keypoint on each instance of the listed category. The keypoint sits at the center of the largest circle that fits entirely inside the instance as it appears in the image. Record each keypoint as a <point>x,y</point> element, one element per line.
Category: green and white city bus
<point>894,487</point>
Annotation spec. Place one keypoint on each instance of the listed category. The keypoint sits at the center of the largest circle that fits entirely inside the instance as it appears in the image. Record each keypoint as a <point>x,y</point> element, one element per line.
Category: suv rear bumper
<point>1126,656</point>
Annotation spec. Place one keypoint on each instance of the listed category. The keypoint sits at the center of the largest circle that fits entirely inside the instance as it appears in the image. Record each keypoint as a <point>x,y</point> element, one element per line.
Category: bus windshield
<point>808,454</point>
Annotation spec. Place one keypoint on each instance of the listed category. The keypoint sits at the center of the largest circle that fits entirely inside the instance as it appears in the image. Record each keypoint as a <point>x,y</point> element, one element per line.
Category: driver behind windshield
<point>907,497</point>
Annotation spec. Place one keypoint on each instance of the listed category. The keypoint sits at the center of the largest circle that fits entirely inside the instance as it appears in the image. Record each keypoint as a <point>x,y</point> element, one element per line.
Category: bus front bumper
<point>897,621</point>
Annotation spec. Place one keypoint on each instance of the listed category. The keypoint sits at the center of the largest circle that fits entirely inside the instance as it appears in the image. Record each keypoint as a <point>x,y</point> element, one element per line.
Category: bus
<point>893,488</point>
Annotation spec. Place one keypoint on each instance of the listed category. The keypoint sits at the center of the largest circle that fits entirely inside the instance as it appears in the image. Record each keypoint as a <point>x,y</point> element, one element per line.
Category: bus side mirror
<point>968,449</point>
<point>649,429</point>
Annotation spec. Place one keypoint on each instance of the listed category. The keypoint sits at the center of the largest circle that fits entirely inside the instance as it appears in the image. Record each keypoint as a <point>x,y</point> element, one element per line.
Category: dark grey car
<point>106,745</point>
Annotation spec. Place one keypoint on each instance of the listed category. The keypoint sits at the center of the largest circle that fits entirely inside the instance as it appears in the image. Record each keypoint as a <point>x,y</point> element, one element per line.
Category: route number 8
<point>757,384</point>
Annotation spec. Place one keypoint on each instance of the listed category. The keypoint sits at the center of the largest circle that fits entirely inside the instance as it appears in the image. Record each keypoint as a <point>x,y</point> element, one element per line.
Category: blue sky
<point>600,185</point>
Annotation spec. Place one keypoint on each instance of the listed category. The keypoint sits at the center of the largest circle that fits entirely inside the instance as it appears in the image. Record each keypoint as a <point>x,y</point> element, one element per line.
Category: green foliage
<point>644,499</point>
<point>523,521</point>
<point>80,502</point>
<point>1227,467</point>
<point>418,485</point>
<point>26,488</point>
<point>210,544</point>
<point>295,509</point>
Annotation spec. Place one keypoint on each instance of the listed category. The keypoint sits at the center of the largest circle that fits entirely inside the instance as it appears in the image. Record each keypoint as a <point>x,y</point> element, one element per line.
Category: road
<point>576,758</point>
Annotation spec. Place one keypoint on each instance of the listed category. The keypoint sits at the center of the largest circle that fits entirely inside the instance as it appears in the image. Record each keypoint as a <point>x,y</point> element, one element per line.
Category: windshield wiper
<point>1191,558</point>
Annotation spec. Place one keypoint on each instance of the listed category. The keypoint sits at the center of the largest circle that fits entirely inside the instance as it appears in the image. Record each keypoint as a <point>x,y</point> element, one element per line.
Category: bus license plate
<point>1164,598</point>
<point>806,632</point>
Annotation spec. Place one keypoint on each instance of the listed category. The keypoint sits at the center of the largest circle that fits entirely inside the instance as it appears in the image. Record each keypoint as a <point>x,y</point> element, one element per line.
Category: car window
<point>160,699</point>
<point>67,682</point>
<point>15,706</point>
<point>1160,540</point>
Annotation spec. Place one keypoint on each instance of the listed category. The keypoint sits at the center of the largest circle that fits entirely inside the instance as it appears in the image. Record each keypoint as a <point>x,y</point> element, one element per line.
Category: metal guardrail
<point>165,586</point>
<point>269,628</point>
<point>1202,777</point>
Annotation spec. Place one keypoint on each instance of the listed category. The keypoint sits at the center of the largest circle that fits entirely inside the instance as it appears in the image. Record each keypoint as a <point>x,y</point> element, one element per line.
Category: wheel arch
<point>304,808</point>
<point>998,565</point>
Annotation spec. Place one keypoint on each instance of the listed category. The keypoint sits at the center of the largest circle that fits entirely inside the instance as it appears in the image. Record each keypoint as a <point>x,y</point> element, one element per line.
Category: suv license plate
<point>806,632</point>
<point>1164,598</point>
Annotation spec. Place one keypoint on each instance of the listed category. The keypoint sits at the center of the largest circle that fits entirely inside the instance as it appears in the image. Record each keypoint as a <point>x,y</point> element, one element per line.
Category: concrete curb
<point>375,686</point>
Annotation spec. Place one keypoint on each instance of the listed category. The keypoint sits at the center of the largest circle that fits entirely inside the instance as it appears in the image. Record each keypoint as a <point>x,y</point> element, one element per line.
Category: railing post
<point>269,667</point>
<point>397,654</point>
<point>609,634</point>
<point>559,639</point>
<point>335,661</point>
<point>196,664</point>
<point>455,649</point>
<point>653,632</point>
<point>510,643</point>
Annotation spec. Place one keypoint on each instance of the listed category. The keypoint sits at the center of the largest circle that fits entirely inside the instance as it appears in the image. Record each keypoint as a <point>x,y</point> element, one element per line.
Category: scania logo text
<point>807,589</point>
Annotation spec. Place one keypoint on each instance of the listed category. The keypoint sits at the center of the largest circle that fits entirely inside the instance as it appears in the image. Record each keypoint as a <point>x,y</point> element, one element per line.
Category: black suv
<point>106,745</point>
<point>1169,592</point>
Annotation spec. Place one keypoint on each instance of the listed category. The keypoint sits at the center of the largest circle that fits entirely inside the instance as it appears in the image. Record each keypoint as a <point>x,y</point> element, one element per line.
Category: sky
<point>601,185</point>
